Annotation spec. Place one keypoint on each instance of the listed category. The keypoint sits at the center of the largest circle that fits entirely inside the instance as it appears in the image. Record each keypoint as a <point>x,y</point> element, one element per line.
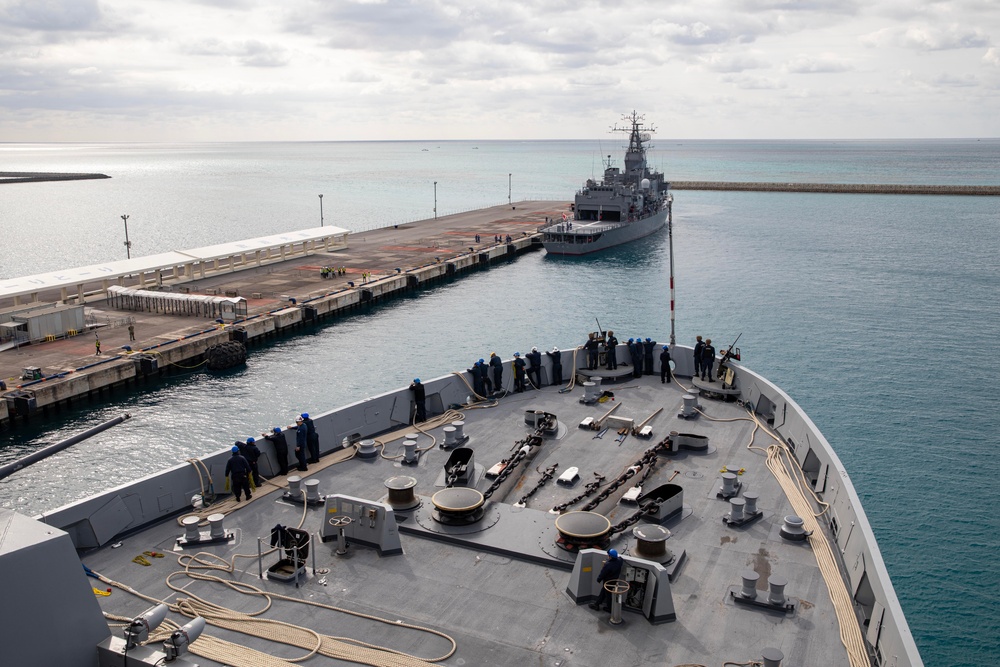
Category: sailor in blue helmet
<point>647,356</point>
<point>277,439</point>
<point>637,358</point>
<point>518,365</point>
<point>419,398</point>
<point>497,365</point>
<point>312,438</point>
<point>238,472</point>
<point>487,383</point>
<point>301,443</point>
<point>665,364</point>
<point>612,570</point>
<point>555,356</point>
<point>477,380</point>
<point>252,453</point>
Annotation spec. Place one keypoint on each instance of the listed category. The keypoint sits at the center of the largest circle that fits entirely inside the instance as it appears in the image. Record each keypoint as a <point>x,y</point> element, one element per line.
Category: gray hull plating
<point>599,236</point>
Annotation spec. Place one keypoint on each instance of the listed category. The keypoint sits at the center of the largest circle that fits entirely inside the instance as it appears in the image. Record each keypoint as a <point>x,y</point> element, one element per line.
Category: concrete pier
<point>39,177</point>
<point>841,188</point>
<point>281,297</point>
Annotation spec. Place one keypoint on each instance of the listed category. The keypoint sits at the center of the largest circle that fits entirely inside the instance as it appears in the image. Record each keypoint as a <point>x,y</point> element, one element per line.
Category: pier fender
<point>484,258</point>
<point>412,281</point>
<point>450,269</point>
<point>226,355</point>
<point>367,295</point>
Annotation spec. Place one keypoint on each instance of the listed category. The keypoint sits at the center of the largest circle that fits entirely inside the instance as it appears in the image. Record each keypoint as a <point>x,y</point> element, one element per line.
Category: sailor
<point>251,453</point>
<point>497,367</point>
<point>631,349</point>
<point>97,345</point>
<point>277,439</point>
<point>591,347</point>
<point>535,357</point>
<point>301,443</point>
<point>637,358</point>
<point>647,355</point>
<point>611,570</point>
<point>238,472</point>
<point>419,397</point>
<point>487,383</point>
<point>698,347</point>
<point>518,365</point>
<point>555,356</point>
<point>312,438</point>
<point>707,360</point>
<point>665,364</point>
<point>477,380</point>
<point>610,353</point>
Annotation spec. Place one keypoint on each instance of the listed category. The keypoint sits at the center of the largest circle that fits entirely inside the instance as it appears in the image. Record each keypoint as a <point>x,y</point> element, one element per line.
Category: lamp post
<point>508,188</point>
<point>321,210</point>
<point>128,244</point>
<point>435,200</point>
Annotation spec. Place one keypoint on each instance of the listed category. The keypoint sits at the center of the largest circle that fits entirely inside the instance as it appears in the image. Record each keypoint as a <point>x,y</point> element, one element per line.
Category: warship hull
<point>584,238</point>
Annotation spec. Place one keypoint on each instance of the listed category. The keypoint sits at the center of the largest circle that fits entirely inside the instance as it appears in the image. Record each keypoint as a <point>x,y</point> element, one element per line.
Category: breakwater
<point>841,188</point>
<point>41,177</point>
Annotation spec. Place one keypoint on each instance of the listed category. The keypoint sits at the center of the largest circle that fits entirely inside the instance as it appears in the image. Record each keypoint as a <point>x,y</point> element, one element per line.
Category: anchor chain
<point>546,476</point>
<point>649,509</point>
<point>588,490</point>
<point>648,458</point>
<point>508,469</point>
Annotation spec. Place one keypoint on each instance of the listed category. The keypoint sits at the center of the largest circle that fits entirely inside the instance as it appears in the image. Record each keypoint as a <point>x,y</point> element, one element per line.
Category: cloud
<point>731,62</point>
<point>824,64</point>
<point>745,82</point>
<point>992,57</point>
<point>52,15</point>
<point>927,38</point>
<point>952,81</point>
<point>249,53</point>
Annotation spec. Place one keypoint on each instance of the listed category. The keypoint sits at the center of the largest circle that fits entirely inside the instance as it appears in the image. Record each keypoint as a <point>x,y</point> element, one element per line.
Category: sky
<point>331,70</point>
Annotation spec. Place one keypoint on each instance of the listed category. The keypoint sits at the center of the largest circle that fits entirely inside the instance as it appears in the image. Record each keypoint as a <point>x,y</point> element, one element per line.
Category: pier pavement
<point>425,249</point>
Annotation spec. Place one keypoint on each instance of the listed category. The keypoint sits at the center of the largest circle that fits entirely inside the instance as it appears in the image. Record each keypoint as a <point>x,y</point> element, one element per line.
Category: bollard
<point>777,583</point>
<point>191,533</point>
<point>736,506</point>
<point>750,578</point>
<point>751,502</point>
<point>215,521</point>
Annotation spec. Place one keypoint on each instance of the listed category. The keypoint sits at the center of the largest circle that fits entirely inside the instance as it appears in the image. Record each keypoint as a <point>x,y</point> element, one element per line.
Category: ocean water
<point>876,313</point>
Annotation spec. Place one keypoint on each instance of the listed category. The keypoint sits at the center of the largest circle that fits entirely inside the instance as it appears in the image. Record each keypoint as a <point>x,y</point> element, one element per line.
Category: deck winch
<point>583,530</point>
<point>458,506</point>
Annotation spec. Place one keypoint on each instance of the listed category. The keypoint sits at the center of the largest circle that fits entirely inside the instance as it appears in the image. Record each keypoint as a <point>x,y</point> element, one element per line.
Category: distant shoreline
<point>40,177</point>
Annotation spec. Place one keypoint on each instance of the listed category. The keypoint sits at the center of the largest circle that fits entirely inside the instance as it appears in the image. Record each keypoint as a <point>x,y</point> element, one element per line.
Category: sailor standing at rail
<point>252,453</point>
<point>477,379</point>
<point>535,369</point>
<point>591,347</point>
<point>277,438</point>
<point>707,360</point>
<point>312,438</point>
<point>518,365</point>
<point>419,398</point>
<point>698,347</point>
<point>647,355</point>
<point>497,367</point>
<point>610,353</point>
<point>301,443</point>
<point>555,356</point>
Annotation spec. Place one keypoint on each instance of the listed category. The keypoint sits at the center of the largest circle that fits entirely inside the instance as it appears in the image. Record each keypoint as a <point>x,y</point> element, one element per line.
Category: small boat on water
<point>624,206</point>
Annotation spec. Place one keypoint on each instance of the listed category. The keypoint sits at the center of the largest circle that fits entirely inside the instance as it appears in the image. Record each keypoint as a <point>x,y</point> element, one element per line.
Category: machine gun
<point>732,352</point>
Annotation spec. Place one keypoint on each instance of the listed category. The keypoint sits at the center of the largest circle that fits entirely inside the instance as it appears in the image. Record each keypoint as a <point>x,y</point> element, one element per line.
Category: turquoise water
<point>876,313</point>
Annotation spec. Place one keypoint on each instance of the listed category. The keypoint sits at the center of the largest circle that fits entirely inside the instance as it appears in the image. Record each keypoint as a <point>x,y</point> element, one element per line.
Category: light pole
<point>435,200</point>
<point>508,188</point>
<point>321,210</point>
<point>128,244</point>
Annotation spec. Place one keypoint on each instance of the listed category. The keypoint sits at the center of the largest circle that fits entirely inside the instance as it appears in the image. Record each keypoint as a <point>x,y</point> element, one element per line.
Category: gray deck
<point>510,611</point>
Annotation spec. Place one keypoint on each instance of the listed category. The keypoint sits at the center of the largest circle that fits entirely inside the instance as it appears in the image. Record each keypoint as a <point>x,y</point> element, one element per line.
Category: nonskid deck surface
<point>508,611</point>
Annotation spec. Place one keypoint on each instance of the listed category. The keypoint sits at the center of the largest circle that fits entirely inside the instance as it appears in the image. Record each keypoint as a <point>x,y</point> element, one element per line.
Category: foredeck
<point>511,611</point>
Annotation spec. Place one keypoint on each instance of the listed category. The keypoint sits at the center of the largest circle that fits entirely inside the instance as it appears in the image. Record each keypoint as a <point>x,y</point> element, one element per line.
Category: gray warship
<point>476,538</point>
<point>624,206</point>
